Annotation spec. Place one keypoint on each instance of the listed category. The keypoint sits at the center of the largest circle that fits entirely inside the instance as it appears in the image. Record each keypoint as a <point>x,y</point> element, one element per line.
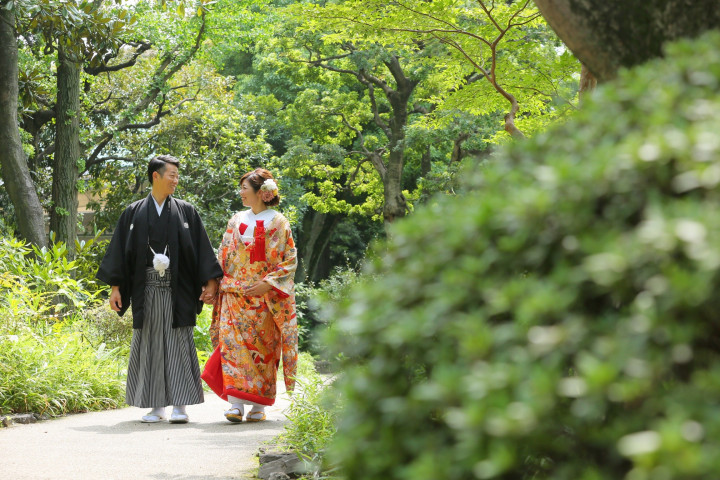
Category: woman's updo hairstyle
<point>256,179</point>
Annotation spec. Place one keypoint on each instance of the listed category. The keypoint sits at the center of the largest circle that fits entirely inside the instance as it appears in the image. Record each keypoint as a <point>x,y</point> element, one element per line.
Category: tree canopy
<point>363,110</point>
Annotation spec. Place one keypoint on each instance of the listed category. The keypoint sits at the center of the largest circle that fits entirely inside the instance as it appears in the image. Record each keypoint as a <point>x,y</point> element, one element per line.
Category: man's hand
<point>209,291</point>
<point>115,298</point>
<point>258,290</point>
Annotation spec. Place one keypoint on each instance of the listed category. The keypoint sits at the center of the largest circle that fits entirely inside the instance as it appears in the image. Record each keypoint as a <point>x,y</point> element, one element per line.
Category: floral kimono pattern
<point>252,334</point>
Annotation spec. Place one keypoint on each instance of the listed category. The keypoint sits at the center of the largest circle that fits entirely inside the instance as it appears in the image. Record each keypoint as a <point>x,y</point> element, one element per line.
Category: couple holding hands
<point>160,261</point>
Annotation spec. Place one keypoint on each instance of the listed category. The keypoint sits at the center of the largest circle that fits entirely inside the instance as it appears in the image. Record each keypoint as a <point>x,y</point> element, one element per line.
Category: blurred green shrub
<point>559,320</point>
<point>310,297</point>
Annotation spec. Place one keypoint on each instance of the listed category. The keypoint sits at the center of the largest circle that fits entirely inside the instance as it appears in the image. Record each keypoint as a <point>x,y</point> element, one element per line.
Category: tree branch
<point>318,63</point>
<point>527,20</point>
<point>162,74</point>
<point>115,157</point>
<point>402,81</point>
<point>376,112</point>
<point>357,131</point>
<point>514,107</point>
<point>160,113</point>
<point>141,47</point>
<point>377,161</point>
<point>427,15</point>
<point>354,174</point>
<point>34,122</point>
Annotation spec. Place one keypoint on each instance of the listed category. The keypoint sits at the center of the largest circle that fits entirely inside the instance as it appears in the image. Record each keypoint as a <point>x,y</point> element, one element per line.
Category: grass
<point>311,417</point>
<point>57,374</point>
<point>61,349</point>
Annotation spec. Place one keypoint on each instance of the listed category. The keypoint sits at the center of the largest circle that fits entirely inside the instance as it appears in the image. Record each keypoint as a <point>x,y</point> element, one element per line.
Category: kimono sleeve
<point>113,268</point>
<point>282,257</point>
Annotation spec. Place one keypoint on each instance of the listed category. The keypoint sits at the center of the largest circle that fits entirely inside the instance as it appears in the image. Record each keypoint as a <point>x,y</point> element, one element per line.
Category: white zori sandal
<point>152,418</point>
<point>178,417</point>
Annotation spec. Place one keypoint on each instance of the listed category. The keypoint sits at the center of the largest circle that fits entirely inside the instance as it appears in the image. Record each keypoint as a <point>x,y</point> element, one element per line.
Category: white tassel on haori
<point>161,262</point>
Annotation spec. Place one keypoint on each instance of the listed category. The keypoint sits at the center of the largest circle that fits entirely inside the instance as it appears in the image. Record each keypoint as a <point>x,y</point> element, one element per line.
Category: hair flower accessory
<point>268,190</point>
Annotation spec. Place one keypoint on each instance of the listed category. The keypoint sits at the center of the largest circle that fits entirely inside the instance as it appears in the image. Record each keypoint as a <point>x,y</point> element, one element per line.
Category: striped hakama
<point>163,368</point>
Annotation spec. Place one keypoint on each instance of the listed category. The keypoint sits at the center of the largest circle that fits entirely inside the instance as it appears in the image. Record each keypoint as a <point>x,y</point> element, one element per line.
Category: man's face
<point>166,183</point>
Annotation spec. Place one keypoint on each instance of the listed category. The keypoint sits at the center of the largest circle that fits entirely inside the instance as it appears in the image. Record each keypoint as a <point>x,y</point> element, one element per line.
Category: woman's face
<point>250,197</point>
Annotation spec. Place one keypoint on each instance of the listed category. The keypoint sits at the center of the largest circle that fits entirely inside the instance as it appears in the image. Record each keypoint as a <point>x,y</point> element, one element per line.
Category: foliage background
<point>558,319</point>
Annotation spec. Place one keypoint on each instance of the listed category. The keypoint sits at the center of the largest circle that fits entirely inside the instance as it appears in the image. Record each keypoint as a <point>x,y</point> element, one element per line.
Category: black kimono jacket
<point>192,260</point>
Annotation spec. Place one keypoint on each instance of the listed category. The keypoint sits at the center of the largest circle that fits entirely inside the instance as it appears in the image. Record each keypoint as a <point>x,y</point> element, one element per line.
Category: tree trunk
<point>63,215</point>
<point>457,152</point>
<point>15,172</point>
<point>606,35</point>
<point>316,232</point>
<point>588,82</point>
<point>426,163</point>
<point>395,204</point>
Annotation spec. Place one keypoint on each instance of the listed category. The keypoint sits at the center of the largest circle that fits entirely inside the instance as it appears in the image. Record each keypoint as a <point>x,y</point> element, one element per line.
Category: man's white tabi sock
<point>159,411</point>
<point>180,409</point>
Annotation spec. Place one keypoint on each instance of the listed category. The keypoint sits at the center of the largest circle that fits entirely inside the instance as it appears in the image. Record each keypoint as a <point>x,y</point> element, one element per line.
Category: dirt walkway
<point>115,445</point>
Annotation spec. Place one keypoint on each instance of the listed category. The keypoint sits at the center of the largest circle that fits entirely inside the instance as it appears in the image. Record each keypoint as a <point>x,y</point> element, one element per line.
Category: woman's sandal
<point>250,419</point>
<point>234,415</point>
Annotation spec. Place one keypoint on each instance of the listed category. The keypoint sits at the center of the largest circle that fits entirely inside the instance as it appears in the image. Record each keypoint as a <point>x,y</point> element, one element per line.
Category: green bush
<point>201,335</point>
<point>311,416</point>
<point>61,349</point>
<point>55,285</point>
<point>88,255</point>
<point>305,311</point>
<point>102,327</point>
<point>56,374</point>
<point>559,320</point>
<point>310,297</point>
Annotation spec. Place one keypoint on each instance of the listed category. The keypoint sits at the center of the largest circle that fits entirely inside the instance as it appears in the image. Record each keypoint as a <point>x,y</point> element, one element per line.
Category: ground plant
<point>61,349</point>
<point>311,415</point>
<point>558,320</point>
<point>201,335</point>
<point>56,374</point>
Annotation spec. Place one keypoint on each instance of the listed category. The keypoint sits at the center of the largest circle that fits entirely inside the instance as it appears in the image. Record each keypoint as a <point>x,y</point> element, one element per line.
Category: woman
<point>254,322</point>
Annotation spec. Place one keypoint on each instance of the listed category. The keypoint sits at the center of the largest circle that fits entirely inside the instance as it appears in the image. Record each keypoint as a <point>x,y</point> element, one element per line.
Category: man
<point>160,260</point>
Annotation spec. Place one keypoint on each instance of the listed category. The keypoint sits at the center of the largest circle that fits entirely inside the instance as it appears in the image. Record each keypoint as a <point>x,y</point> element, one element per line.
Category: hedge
<point>560,318</point>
